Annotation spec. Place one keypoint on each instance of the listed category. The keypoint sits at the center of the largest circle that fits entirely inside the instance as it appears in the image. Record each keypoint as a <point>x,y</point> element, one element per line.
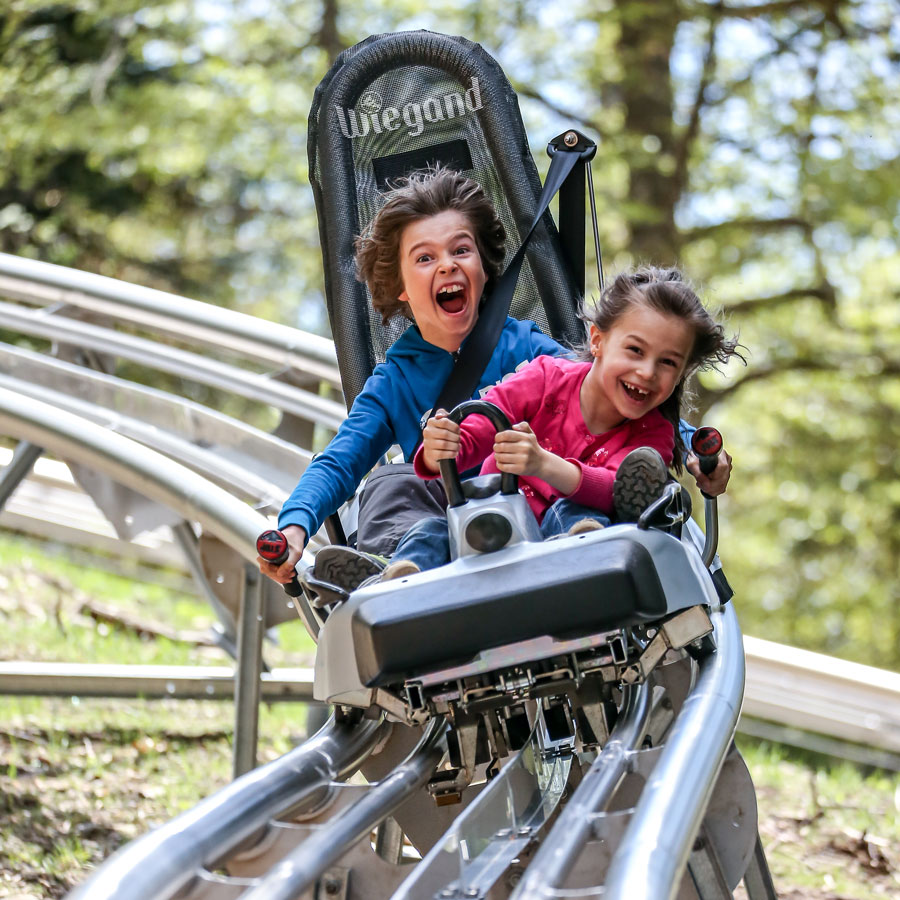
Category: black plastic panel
<point>426,627</point>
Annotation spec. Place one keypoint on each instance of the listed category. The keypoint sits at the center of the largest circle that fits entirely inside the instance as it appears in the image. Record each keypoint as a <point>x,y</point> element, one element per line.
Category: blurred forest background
<point>754,142</point>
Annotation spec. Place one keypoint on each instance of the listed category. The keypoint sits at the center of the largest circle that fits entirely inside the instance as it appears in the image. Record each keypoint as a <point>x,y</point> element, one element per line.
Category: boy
<point>428,254</point>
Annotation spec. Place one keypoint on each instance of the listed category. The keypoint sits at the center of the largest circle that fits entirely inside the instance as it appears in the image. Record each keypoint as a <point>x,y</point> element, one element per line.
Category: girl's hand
<point>519,452</point>
<point>717,480</point>
<point>283,574</point>
<point>440,440</point>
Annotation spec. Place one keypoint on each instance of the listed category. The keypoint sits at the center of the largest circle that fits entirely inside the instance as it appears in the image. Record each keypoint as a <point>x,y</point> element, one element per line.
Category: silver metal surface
<point>301,403</point>
<point>272,343</point>
<point>187,540</point>
<point>497,826</point>
<point>248,486</point>
<point>247,448</point>
<point>23,459</point>
<point>561,847</point>
<point>246,685</point>
<point>324,847</point>
<point>658,840</point>
<point>165,862</point>
<point>54,679</point>
<point>128,462</point>
<point>711,512</point>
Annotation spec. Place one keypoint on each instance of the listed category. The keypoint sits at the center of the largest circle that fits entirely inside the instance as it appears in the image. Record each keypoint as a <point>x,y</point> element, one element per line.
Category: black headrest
<point>395,103</point>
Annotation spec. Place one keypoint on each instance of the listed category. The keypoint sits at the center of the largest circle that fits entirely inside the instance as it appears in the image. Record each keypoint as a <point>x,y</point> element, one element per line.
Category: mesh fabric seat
<point>396,103</point>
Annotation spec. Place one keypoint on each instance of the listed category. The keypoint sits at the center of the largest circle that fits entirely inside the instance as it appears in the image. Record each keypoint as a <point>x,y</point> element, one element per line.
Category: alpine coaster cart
<point>533,720</point>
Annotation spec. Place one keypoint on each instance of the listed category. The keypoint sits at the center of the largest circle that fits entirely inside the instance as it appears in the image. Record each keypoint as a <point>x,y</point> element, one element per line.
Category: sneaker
<point>344,568</point>
<point>639,481</point>
<point>583,526</point>
<point>399,569</point>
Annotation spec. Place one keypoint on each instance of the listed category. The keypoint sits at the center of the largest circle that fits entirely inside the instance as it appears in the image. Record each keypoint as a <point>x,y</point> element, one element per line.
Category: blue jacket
<point>390,410</point>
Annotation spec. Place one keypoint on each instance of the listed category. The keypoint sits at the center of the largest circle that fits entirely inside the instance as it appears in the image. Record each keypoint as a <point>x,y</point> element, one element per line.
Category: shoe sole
<point>344,567</point>
<point>639,481</point>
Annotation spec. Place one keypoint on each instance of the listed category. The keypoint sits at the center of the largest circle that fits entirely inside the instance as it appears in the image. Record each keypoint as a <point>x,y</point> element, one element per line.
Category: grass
<point>78,777</point>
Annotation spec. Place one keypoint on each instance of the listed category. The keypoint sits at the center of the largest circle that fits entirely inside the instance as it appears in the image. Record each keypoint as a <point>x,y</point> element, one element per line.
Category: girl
<point>594,436</point>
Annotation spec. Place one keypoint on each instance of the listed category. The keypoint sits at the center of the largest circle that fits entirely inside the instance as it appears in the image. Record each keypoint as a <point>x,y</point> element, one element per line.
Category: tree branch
<point>763,225</point>
<point>824,292</point>
<point>858,365</point>
<point>776,7</point>
<point>534,94</point>
<point>683,150</point>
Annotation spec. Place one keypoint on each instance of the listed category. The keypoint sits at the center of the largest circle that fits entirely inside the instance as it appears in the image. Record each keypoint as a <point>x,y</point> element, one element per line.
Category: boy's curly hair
<point>667,292</point>
<point>419,196</point>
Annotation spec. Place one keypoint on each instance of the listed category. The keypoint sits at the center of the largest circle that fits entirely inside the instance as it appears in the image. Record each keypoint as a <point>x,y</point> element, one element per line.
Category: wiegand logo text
<point>372,116</point>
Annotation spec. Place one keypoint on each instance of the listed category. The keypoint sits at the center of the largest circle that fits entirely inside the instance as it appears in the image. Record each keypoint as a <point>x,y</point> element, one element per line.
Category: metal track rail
<point>243,445</point>
<point>561,847</point>
<point>300,869</point>
<point>275,345</point>
<point>165,862</point>
<point>656,844</point>
<point>262,388</point>
<point>487,837</point>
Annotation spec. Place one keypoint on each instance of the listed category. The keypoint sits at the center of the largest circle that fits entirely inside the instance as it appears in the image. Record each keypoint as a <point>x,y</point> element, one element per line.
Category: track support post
<point>249,666</point>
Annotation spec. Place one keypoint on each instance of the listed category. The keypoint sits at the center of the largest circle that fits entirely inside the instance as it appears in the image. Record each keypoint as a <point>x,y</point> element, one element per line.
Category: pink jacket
<point>546,395</point>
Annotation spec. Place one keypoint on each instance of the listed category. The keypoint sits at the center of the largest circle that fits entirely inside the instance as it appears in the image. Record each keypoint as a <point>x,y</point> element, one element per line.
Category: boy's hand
<point>440,440</point>
<point>717,480</point>
<point>518,451</point>
<point>283,574</point>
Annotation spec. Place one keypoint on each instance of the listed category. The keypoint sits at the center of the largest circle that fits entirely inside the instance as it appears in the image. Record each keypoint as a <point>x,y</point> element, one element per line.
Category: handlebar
<point>509,483</point>
<point>273,547</point>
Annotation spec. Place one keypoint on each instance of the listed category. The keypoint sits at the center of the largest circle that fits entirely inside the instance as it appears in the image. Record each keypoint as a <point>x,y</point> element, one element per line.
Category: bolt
<point>524,831</point>
<point>332,885</point>
<point>570,139</point>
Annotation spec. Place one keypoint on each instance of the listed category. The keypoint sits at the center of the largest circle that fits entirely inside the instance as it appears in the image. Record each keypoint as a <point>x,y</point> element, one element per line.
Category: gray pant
<point>393,500</point>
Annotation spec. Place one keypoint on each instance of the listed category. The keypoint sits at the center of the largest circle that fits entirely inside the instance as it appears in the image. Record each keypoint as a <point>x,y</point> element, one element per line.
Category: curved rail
<point>657,842</point>
<point>135,466</point>
<point>561,847</point>
<point>162,863</point>
<point>163,358</point>
<point>302,867</point>
<point>242,444</point>
<point>270,343</point>
<point>248,486</point>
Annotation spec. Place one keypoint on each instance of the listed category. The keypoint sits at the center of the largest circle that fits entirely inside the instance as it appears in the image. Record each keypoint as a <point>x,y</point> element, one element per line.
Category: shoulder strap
<point>474,356</point>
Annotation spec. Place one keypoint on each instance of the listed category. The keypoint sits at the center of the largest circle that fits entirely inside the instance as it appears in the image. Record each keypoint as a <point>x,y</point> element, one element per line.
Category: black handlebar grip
<point>706,443</point>
<point>273,547</point>
<point>509,483</point>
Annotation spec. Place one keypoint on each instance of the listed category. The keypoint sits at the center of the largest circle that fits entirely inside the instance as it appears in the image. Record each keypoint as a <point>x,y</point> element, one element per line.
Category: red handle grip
<point>273,547</point>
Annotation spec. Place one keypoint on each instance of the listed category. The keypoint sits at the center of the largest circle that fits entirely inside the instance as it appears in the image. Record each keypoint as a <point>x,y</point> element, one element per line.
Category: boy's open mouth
<point>452,298</point>
<point>634,392</point>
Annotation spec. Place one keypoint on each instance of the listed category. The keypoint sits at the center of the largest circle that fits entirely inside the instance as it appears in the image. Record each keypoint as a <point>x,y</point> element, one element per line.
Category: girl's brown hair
<point>666,291</point>
<point>419,196</point>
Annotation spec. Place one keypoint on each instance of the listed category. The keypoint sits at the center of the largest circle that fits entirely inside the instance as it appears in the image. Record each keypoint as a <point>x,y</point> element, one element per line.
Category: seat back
<point>396,103</point>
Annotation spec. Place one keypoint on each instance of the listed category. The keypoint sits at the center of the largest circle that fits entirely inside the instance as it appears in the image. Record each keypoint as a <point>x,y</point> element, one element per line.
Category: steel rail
<point>656,844</point>
<point>144,470</point>
<point>300,869</point>
<point>243,444</point>
<point>302,403</point>
<point>562,846</point>
<point>248,486</point>
<point>163,863</point>
<point>269,342</point>
<point>134,465</point>
<point>131,680</point>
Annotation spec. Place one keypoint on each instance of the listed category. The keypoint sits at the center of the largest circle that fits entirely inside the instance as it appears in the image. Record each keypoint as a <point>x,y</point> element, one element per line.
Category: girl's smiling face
<point>443,277</point>
<point>637,364</point>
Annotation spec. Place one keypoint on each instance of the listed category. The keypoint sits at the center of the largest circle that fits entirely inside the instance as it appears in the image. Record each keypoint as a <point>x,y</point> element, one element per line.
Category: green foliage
<point>754,143</point>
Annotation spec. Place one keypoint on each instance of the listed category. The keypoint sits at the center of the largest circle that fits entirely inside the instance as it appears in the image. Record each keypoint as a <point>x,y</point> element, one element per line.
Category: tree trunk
<point>645,46</point>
